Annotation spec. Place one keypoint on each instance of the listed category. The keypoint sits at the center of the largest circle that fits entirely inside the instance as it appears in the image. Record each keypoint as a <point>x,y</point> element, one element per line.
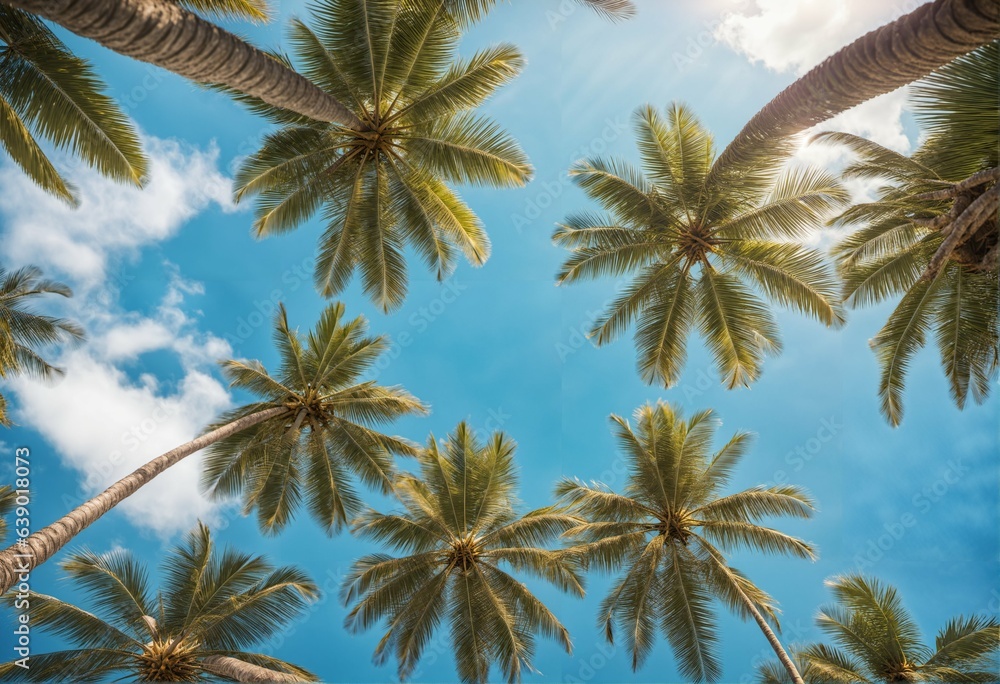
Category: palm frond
<point>737,327</point>
<point>117,581</point>
<point>687,618</point>
<point>967,331</point>
<point>458,525</point>
<point>735,535</point>
<point>466,148</point>
<point>966,642</point>
<point>830,664</point>
<point>327,435</point>
<point>897,342</point>
<point>78,626</point>
<point>466,85</point>
<point>661,336</point>
<point>760,502</point>
<point>58,97</point>
<point>470,11</point>
<point>250,10</point>
<point>381,184</point>
<point>881,607</point>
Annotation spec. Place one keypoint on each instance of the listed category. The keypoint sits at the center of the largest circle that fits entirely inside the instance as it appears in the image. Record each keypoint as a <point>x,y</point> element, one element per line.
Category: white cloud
<point>878,120</point>
<point>112,220</point>
<point>796,35</point>
<point>103,421</point>
<point>104,424</point>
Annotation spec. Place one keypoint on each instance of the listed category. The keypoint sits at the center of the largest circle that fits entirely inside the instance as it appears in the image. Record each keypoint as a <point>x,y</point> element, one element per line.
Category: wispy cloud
<point>107,416</point>
<point>796,35</point>
<point>113,220</point>
<point>105,423</point>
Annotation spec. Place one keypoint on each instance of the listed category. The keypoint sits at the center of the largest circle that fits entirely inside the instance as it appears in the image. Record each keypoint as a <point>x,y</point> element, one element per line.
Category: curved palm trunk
<point>165,34</point>
<point>773,640</point>
<point>769,634</point>
<point>35,549</point>
<point>877,63</point>
<point>240,671</point>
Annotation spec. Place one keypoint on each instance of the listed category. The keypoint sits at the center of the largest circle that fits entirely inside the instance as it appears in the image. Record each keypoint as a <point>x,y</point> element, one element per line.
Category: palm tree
<point>696,242</point>
<point>667,532</point>
<point>47,92</point>
<point>772,672</point>
<point>383,182</point>
<point>932,233</point>
<point>327,435</point>
<point>877,640</point>
<point>7,497</point>
<point>468,11</point>
<point>459,527</point>
<point>165,33</point>
<point>214,605</point>
<point>22,330</point>
<point>311,427</point>
<point>879,62</point>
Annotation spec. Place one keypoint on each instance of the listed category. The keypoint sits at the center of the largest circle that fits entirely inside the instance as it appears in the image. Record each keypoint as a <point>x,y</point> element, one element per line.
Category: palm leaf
<point>737,327</point>
<point>899,339</point>
<point>58,97</point>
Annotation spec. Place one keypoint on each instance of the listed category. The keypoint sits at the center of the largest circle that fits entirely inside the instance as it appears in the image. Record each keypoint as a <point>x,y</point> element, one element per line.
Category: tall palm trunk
<point>38,547</point>
<point>769,634</point>
<point>163,33</point>
<point>240,671</point>
<point>877,63</point>
<point>773,640</point>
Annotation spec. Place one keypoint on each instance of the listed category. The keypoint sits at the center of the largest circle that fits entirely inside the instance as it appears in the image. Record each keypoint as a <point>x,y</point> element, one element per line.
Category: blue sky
<point>170,279</point>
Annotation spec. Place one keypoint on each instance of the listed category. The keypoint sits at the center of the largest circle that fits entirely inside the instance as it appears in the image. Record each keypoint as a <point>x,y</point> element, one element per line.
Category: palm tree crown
<point>932,233</point>
<point>458,527</point>
<point>325,435</point>
<point>877,640</point>
<point>213,605</point>
<point>667,531</point>
<point>22,331</point>
<point>384,183</point>
<point>696,240</point>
